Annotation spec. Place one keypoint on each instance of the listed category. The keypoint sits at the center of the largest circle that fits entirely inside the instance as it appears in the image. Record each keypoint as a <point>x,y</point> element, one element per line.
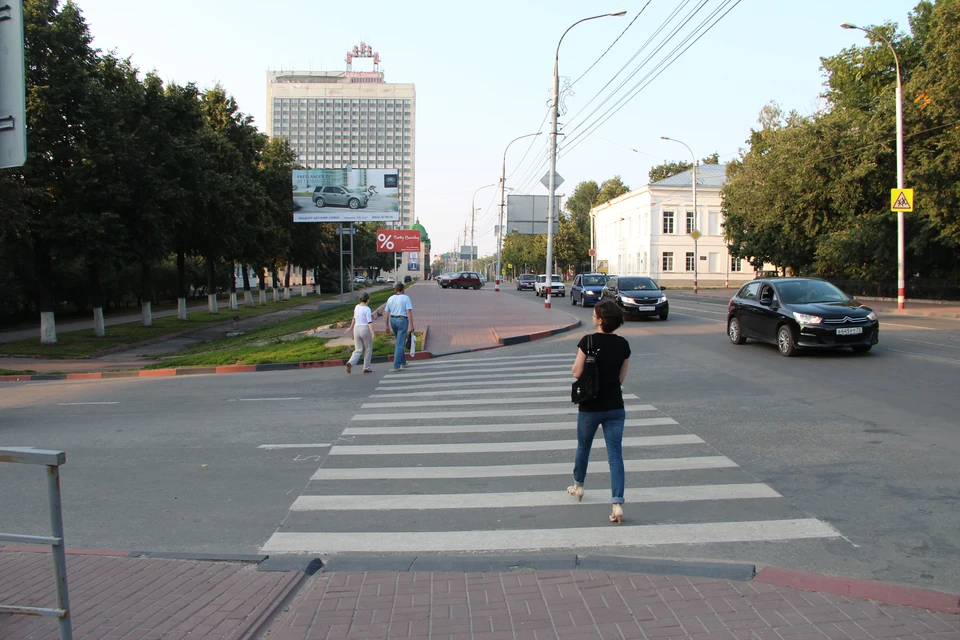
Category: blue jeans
<point>587,423</point>
<point>399,327</point>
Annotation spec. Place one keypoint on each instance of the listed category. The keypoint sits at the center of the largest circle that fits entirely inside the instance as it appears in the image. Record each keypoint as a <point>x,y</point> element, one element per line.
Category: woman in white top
<point>362,328</point>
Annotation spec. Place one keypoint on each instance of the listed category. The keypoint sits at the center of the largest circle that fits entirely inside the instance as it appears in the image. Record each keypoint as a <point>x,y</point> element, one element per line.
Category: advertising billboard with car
<point>346,195</point>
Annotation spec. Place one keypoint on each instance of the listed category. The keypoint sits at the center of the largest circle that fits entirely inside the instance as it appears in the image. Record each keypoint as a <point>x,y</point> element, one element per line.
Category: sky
<point>483,73</point>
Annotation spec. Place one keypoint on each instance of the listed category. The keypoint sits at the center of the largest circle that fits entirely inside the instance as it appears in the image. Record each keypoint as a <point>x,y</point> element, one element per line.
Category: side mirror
<point>662,288</point>
<point>766,300</point>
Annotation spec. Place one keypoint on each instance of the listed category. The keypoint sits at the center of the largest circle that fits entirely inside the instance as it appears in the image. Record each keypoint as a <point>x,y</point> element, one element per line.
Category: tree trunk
<point>96,297</point>
<point>273,280</point>
<point>233,288</point>
<point>262,285</point>
<point>212,306</point>
<point>286,282</point>
<point>146,288</point>
<point>247,296</point>
<point>181,285</point>
<point>44,283</point>
<point>303,282</point>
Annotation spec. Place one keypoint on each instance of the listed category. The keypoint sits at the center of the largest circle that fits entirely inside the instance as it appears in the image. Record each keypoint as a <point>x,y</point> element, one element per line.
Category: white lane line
<point>932,344</point>
<point>492,413</point>
<point>920,355</point>
<point>486,391</point>
<point>907,326</point>
<point>484,401</point>
<point>720,313</point>
<point>692,493</point>
<point>491,379</point>
<point>447,362</point>
<point>73,404</point>
<point>323,543</point>
<point>492,428</point>
<point>314,445</point>
<point>519,470</point>
<point>260,399</point>
<point>690,315</point>
<point>503,447</point>
<point>474,372</point>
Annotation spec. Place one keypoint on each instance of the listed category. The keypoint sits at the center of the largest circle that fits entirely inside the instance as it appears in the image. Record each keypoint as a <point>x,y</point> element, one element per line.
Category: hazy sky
<point>483,72</point>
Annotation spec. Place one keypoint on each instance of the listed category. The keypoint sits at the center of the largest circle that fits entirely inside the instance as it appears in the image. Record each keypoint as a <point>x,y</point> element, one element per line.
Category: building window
<point>736,264</point>
<point>668,260</point>
<point>690,223</point>
<point>667,224</point>
<point>691,261</point>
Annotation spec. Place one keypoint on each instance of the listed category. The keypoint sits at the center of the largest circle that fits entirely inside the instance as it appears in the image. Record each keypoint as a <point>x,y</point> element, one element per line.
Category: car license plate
<point>646,308</point>
<point>849,331</point>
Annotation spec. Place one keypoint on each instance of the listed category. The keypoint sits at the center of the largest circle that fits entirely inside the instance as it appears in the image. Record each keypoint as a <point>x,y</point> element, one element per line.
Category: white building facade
<point>650,231</point>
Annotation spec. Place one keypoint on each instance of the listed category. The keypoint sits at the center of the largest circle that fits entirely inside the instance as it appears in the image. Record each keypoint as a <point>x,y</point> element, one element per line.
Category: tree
<point>666,169</point>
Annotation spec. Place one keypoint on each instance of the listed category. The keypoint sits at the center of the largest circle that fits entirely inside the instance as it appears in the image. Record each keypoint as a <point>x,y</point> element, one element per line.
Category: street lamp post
<point>901,234</point>
<point>552,176</point>
<point>473,209</point>
<point>503,187</point>
<point>696,215</point>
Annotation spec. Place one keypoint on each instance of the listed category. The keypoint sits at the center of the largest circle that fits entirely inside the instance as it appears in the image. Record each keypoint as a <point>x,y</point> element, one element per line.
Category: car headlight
<point>662,300</point>
<point>871,316</point>
<point>590,293</point>
<point>806,318</point>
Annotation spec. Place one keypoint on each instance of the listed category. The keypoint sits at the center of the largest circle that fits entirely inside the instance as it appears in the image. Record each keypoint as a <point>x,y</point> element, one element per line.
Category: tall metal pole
<point>473,209</point>
<point>503,188</point>
<point>901,232</point>
<point>552,179</point>
<point>696,214</point>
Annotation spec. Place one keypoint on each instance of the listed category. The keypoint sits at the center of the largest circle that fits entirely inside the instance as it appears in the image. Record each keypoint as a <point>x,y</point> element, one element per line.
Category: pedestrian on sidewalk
<point>612,354</point>
<point>399,316</point>
<point>362,327</point>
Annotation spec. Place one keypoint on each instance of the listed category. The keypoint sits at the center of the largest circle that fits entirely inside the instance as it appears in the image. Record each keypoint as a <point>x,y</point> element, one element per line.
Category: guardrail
<point>52,460</point>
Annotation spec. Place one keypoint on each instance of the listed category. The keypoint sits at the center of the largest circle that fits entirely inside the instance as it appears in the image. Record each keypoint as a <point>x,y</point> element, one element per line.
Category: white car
<point>556,286</point>
<point>360,280</point>
<point>381,279</point>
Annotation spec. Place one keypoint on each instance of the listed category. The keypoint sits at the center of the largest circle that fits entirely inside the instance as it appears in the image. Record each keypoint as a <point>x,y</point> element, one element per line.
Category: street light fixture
<point>696,214</point>
<point>503,182</point>
<point>552,177</point>
<point>901,234</point>
<point>473,209</point>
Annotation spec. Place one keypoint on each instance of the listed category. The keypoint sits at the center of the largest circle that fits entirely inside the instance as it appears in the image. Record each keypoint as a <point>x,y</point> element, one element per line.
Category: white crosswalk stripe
<point>474,454</point>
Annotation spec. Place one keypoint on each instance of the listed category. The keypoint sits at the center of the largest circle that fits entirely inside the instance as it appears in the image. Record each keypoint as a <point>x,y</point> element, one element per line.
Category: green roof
<point>423,232</point>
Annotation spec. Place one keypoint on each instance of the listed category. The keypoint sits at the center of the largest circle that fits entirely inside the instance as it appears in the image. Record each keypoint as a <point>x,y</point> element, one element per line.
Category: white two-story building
<point>650,231</point>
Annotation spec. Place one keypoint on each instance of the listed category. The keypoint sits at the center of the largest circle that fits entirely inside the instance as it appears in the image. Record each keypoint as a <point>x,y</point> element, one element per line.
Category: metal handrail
<point>52,460</point>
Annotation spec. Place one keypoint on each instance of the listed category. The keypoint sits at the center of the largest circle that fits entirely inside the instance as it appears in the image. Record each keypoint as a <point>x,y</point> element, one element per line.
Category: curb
<point>511,340</point>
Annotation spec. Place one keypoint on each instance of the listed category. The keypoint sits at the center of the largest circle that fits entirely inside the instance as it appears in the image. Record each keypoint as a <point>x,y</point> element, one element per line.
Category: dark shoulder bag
<point>587,386</point>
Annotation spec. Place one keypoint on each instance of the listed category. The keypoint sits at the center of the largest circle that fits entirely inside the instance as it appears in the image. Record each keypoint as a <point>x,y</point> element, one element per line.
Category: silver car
<point>338,197</point>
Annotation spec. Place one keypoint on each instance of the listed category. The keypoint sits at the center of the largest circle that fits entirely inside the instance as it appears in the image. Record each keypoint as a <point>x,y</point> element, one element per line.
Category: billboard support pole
<point>351,262</point>
<point>339,228</point>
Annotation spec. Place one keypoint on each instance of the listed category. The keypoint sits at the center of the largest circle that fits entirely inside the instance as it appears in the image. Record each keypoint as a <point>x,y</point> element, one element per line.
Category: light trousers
<point>363,345</point>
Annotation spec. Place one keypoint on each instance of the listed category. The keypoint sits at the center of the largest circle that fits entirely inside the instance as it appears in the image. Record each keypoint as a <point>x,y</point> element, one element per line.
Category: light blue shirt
<point>398,305</point>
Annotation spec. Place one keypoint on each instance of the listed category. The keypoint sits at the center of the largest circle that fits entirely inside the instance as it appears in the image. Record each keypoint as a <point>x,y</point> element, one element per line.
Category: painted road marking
<point>315,445</point>
<point>497,413</point>
<point>503,447</point>
<point>390,383</point>
<point>932,344</point>
<point>628,536</point>
<point>464,403</point>
<point>475,392</point>
<point>520,470</point>
<point>907,326</point>
<point>260,399</point>
<point>492,428</point>
<point>530,358</point>
<point>435,375</point>
<point>560,498</point>
<point>73,404</point>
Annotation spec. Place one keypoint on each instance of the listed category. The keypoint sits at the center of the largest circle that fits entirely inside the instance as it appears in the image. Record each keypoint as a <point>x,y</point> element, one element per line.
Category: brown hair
<point>398,287</point>
<point>610,315</point>
<point>364,297</point>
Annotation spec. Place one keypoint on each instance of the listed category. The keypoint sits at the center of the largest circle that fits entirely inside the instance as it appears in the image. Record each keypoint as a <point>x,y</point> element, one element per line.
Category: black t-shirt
<point>611,350</point>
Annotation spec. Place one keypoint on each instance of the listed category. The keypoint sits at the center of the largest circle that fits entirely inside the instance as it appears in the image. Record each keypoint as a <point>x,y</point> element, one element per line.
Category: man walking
<point>399,313</point>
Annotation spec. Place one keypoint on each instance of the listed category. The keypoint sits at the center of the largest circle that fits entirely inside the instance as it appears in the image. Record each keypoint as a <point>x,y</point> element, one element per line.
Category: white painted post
<point>48,328</point>
<point>98,329</point>
<point>181,309</point>
<point>147,311</point>
<point>212,305</point>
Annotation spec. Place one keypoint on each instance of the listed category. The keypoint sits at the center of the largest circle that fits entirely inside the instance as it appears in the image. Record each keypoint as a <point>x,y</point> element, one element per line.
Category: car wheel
<point>573,300</point>
<point>785,342</point>
<point>319,203</point>
<point>861,348</point>
<point>733,331</point>
<point>353,203</point>
<point>476,287</point>
<point>664,314</point>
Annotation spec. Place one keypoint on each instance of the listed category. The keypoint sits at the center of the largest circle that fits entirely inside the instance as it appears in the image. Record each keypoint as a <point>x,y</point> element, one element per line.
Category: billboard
<point>468,252</point>
<point>413,263</point>
<point>400,240</point>
<point>346,195</point>
<point>528,214</point>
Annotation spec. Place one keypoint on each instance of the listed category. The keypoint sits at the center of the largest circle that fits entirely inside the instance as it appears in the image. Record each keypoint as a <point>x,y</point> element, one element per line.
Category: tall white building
<point>335,119</point>
<point>649,231</point>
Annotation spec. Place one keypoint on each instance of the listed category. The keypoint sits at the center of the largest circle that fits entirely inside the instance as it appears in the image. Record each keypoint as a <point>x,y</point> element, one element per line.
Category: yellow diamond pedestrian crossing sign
<point>901,199</point>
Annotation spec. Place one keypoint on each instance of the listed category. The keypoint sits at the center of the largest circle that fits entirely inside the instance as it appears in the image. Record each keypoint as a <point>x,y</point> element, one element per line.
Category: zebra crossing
<point>474,455</point>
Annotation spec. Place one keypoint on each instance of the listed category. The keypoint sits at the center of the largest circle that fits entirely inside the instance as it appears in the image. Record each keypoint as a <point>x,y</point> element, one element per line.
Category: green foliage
<point>666,169</point>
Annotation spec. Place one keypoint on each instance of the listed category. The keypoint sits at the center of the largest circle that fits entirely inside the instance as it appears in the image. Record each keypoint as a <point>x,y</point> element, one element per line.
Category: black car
<point>637,296</point>
<point>527,281</point>
<point>800,313</point>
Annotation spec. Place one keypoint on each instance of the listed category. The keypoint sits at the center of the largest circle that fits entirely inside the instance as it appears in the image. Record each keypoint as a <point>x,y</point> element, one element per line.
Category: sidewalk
<point>117,594</point>
<point>456,321</point>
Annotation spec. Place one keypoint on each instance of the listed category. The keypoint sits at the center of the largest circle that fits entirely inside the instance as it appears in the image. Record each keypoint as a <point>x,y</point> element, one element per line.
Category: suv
<point>463,280</point>
<point>526,281</point>
<point>338,197</point>
<point>556,286</point>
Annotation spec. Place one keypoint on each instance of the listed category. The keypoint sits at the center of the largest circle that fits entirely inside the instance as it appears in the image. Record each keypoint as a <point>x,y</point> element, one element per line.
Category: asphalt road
<point>865,444</point>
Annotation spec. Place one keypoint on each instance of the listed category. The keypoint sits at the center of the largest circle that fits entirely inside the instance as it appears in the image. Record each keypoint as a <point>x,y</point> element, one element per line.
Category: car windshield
<point>527,278</point>
<point>809,292</point>
<point>594,281</point>
<point>637,284</point>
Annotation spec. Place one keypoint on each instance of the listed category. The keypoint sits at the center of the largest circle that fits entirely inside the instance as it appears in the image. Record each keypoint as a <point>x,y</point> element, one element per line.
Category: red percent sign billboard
<point>398,240</point>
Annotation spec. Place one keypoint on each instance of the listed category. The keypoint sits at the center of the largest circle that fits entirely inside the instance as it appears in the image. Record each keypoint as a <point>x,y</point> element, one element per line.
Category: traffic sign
<point>13,119</point>
<point>592,252</point>
<point>696,235</point>
<point>901,199</point>
<point>557,179</point>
